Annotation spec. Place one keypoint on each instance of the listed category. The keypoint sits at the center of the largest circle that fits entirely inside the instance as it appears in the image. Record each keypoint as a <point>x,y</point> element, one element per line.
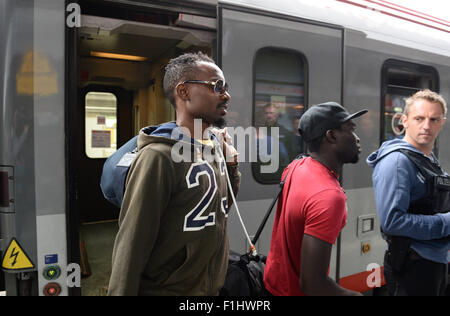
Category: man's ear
<point>182,91</point>
<point>330,136</point>
<point>404,120</point>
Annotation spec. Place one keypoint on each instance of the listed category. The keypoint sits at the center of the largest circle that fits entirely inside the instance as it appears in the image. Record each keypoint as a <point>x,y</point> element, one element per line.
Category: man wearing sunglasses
<point>172,237</point>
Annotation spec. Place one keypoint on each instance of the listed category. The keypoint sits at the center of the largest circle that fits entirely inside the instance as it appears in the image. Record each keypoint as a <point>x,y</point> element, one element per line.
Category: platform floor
<point>98,241</point>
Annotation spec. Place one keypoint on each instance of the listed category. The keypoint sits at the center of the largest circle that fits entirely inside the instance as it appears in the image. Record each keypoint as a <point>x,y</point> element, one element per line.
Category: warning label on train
<point>15,257</point>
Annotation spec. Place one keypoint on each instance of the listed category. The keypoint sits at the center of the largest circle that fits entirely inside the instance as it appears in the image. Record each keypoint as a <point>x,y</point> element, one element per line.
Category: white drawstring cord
<point>252,247</point>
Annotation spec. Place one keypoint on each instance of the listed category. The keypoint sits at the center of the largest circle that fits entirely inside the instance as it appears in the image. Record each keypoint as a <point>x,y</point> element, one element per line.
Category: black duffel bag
<point>245,274</point>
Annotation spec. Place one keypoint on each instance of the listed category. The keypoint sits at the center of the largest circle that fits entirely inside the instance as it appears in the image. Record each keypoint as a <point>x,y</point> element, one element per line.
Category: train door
<point>122,51</point>
<point>107,125</point>
<point>276,67</point>
<point>363,248</point>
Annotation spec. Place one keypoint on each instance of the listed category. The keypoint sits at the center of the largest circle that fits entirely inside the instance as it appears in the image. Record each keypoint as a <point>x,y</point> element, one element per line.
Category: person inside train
<point>172,237</point>
<point>271,120</point>
<point>412,195</point>
<point>312,210</point>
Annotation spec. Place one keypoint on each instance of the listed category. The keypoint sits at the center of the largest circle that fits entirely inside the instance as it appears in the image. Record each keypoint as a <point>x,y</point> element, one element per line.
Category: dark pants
<point>420,277</point>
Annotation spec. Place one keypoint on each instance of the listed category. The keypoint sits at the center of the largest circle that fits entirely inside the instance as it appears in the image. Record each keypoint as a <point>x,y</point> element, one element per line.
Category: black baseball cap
<point>320,118</point>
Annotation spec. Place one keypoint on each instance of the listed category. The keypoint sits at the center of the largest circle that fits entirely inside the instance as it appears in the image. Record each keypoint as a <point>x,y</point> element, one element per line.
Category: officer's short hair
<point>180,69</point>
<point>428,95</point>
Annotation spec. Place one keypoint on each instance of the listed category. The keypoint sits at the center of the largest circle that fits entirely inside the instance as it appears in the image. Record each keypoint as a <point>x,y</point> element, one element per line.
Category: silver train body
<point>57,124</point>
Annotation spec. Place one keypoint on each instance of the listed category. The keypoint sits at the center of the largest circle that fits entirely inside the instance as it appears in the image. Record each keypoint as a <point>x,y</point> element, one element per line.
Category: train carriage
<point>80,78</point>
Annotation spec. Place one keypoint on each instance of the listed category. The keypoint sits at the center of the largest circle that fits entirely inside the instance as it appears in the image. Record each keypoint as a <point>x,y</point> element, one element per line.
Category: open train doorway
<point>121,55</point>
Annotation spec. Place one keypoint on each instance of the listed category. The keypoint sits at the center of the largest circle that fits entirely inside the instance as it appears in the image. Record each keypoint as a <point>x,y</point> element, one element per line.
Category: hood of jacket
<point>163,133</point>
<point>388,147</point>
<point>169,133</point>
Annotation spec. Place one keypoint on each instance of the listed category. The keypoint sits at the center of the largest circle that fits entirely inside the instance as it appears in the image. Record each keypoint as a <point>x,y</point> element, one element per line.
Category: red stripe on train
<point>358,282</point>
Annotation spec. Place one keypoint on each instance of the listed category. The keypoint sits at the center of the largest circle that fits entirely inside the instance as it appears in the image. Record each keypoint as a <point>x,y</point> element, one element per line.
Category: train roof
<point>379,20</point>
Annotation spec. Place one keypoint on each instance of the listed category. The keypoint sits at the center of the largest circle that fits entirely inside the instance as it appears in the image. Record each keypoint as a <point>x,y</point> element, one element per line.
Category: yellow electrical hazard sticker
<point>15,257</point>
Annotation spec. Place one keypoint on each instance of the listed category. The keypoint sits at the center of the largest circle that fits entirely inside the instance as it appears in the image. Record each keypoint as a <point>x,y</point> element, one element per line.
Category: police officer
<point>412,197</point>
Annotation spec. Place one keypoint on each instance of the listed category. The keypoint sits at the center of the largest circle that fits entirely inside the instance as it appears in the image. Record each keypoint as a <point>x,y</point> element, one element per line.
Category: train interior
<point>121,55</point>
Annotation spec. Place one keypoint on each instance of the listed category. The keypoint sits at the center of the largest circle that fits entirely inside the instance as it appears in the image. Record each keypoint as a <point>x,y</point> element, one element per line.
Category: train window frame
<point>255,166</point>
<point>101,138</point>
<point>387,88</point>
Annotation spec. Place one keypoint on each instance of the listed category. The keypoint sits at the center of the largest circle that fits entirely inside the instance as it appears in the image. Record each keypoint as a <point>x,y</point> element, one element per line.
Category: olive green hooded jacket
<point>172,237</point>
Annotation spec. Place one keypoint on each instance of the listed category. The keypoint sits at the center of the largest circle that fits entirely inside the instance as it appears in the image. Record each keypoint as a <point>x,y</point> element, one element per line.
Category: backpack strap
<point>269,211</point>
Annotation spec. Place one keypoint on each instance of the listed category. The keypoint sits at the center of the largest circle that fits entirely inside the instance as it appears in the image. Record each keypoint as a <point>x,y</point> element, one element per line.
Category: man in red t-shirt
<point>312,208</point>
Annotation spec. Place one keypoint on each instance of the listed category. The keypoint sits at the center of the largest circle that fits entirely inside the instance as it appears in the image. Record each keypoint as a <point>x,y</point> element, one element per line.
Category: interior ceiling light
<point>118,56</point>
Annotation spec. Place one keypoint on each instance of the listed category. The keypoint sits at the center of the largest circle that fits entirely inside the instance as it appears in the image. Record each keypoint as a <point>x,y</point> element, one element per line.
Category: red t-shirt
<point>313,203</point>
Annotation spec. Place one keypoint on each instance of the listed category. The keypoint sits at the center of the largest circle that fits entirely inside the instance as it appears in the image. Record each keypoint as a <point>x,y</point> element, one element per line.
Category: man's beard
<point>220,123</point>
<point>351,159</point>
<point>348,157</point>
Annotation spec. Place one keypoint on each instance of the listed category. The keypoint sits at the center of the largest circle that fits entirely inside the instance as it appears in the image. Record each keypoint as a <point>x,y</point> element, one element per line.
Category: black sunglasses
<point>220,86</point>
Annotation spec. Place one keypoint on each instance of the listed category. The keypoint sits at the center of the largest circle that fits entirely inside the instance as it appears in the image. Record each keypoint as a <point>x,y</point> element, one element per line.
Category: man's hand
<point>230,153</point>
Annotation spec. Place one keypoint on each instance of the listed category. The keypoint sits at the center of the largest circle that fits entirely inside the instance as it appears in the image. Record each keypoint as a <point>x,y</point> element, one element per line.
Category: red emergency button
<point>52,289</point>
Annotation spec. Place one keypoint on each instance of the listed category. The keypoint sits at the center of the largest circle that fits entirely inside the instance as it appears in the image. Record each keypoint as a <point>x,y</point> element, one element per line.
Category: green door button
<point>52,272</point>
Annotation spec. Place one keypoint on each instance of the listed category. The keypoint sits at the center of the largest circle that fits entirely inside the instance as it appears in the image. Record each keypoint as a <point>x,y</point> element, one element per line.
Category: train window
<point>279,86</point>
<point>101,124</point>
<point>399,81</point>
